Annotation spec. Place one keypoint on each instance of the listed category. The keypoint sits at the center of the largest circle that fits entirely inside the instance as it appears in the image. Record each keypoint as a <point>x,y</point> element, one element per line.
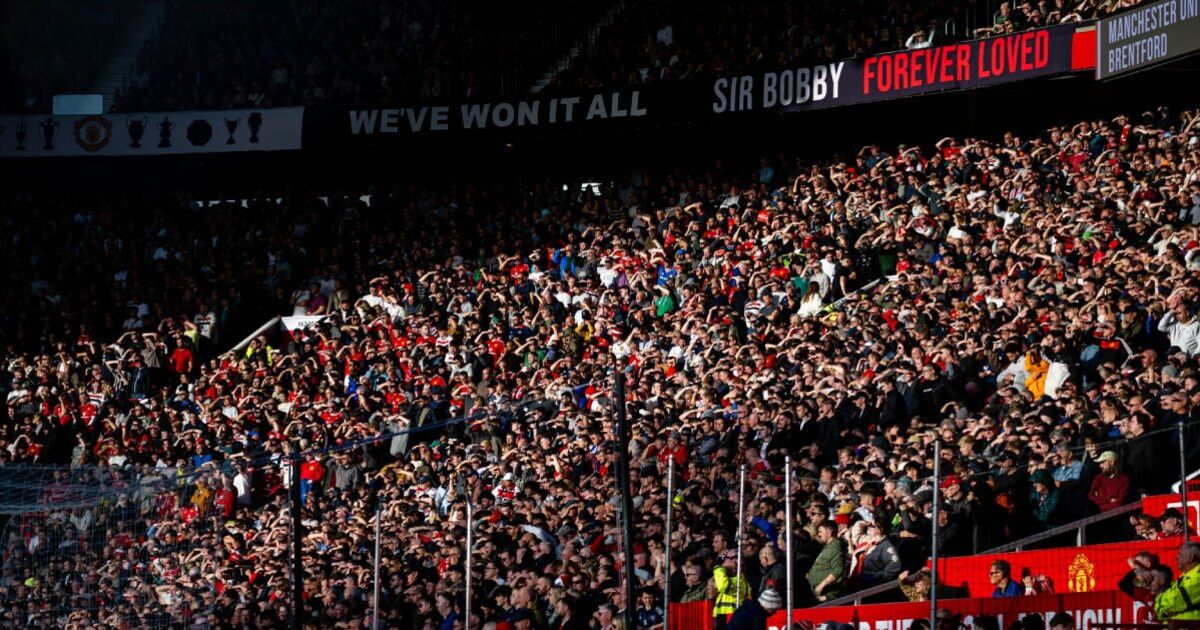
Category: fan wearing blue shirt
<point>1000,575</point>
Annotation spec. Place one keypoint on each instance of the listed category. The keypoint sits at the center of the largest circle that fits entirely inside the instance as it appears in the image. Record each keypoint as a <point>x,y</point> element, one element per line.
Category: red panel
<point>1083,49</point>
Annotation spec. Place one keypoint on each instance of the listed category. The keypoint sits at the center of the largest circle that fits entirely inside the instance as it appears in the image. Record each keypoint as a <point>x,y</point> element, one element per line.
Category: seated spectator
<point>1000,575</point>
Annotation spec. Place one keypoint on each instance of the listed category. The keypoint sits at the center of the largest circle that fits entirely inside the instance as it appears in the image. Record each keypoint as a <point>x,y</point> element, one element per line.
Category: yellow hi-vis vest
<point>731,592</point>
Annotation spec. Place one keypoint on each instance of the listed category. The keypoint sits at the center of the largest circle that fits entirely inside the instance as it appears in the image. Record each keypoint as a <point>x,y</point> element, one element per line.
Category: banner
<point>1068,569</point>
<point>162,133</point>
<point>1146,36</point>
<point>972,64</point>
<point>979,63</point>
<point>1090,610</point>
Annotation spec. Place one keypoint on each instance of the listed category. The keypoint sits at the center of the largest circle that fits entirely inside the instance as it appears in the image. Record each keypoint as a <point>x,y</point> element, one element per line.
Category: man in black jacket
<point>1142,457</point>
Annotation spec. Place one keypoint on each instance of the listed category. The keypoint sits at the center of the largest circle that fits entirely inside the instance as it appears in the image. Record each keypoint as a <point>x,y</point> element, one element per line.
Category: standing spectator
<point>772,569</point>
<point>1045,498</point>
<point>694,584</point>
<point>829,568</point>
<point>1182,328</point>
<point>732,588</point>
<point>1111,487</point>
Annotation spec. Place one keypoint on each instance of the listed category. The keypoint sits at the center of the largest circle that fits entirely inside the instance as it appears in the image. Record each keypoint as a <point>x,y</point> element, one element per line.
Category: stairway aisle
<point>121,64</point>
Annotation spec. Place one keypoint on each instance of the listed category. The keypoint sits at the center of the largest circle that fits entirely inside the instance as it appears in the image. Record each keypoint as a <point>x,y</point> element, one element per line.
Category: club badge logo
<point>1081,575</point>
<point>93,132</point>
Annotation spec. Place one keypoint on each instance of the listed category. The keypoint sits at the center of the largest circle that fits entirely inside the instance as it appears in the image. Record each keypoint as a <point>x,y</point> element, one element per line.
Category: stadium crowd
<point>664,41</point>
<point>220,55</point>
<point>1028,302</point>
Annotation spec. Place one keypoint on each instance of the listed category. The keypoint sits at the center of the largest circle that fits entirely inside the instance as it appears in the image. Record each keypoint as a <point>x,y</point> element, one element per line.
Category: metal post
<point>297,544</point>
<point>667,543</point>
<point>470,549</point>
<point>623,439</point>
<point>741,521</point>
<point>378,520</point>
<point>933,574</point>
<point>1183,490</point>
<point>787,528</point>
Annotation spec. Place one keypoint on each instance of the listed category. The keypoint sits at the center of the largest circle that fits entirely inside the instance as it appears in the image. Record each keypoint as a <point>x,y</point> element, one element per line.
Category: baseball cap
<point>1107,456</point>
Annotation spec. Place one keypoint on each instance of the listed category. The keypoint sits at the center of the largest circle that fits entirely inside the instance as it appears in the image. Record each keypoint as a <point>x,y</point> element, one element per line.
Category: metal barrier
<point>1080,528</point>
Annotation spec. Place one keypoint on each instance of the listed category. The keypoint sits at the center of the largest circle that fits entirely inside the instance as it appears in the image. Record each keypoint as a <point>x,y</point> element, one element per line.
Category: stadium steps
<point>605,21</point>
<point>122,63</point>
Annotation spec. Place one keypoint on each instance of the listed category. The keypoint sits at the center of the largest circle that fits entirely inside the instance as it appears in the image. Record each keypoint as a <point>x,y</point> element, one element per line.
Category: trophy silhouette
<point>255,122</point>
<point>231,126</point>
<point>136,128</point>
<point>49,132</point>
<point>21,135</point>
<point>164,132</point>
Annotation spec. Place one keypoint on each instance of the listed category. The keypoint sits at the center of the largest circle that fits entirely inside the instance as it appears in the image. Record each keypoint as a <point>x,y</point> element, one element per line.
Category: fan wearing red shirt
<point>181,360</point>
<point>311,473</point>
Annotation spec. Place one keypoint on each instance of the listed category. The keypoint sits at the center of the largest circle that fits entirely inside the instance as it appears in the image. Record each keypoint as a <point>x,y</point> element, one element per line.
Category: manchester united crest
<point>93,132</point>
<point>1081,575</point>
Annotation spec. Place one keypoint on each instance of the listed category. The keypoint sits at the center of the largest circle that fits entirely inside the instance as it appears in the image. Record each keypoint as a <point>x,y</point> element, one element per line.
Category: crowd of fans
<point>217,54</point>
<point>1028,302</point>
<point>664,41</point>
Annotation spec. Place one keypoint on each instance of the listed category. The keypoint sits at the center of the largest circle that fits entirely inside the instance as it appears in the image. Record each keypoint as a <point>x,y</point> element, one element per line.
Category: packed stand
<point>664,41</point>
<point>57,47</point>
<point>219,55</point>
<point>1034,311</point>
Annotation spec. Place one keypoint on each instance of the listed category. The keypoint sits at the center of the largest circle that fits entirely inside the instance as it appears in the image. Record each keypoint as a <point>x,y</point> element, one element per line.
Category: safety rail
<point>1080,527</point>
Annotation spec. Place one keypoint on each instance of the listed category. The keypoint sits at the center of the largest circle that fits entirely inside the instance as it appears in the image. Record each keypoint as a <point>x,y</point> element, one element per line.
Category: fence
<point>117,547</point>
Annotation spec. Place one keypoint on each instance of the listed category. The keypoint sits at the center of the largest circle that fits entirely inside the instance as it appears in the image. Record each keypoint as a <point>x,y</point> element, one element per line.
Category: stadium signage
<point>163,133</point>
<point>499,115</point>
<point>957,64</point>
<point>1146,36</point>
<point>977,63</point>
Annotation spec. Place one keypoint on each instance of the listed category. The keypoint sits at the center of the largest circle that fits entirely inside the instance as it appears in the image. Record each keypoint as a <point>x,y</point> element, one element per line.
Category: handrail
<point>857,597</point>
<point>1176,487</point>
<point>1078,526</point>
<point>241,345</point>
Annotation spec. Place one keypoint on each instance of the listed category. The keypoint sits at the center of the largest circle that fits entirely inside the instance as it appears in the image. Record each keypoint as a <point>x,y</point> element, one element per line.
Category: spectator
<point>1175,602</point>
<point>649,615</point>
<point>1171,523</point>
<point>828,570</point>
<point>1062,621</point>
<point>1146,578</point>
<point>1111,487</point>
<point>732,590</point>
<point>753,614</point>
<point>1000,576</point>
